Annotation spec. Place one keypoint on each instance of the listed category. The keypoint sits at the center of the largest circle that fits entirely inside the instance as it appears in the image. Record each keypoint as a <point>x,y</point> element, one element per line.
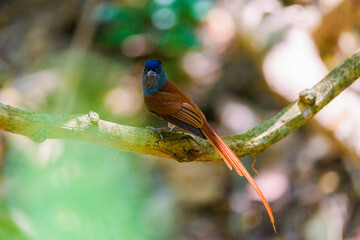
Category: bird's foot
<point>157,130</point>
<point>169,128</point>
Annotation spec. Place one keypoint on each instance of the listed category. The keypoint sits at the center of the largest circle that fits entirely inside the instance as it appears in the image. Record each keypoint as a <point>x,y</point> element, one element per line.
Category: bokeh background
<point>241,61</point>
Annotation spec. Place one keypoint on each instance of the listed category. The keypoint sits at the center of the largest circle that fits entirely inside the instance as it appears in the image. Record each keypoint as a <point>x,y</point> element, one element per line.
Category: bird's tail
<point>232,160</point>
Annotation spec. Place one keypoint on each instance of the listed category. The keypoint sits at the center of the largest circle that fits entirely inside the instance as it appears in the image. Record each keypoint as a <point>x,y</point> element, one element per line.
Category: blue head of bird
<point>153,77</point>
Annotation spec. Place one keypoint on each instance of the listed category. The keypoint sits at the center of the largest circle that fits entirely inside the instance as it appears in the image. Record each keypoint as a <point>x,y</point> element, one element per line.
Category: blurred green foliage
<point>76,56</point>
<point>8,229</point>
<point>82,194</point>
<point>173,31</point>
<point>76,190</point>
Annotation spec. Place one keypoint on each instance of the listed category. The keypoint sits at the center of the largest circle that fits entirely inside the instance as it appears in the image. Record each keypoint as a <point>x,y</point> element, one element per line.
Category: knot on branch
<point>94,117</point>
<point>307,97</point>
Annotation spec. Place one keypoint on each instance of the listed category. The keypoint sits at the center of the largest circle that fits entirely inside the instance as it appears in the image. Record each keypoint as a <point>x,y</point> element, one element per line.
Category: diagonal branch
<point>182,147</point>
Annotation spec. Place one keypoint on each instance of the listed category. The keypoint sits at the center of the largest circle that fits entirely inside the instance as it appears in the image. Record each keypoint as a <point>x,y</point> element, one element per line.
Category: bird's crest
<point>152,64</point>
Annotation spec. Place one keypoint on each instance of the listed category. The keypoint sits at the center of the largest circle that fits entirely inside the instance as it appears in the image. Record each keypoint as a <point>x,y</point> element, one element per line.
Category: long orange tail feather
<point>232,160</point>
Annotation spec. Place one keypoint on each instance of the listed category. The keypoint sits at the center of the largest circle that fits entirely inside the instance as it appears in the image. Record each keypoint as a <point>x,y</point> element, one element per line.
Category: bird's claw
<point>157,130</point>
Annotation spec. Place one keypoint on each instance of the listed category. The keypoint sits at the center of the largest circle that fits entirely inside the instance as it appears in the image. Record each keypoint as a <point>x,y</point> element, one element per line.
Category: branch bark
<point>179,146</point>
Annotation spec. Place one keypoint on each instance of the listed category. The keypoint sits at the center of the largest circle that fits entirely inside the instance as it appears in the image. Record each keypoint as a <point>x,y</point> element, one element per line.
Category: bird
<point>168,102</point>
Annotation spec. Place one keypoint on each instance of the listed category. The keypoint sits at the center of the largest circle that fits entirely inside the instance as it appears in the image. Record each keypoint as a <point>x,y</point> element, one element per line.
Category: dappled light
<point>123,101</point>
<point>201,67</point>
<point>237,116</point>
<point>164,18</point>
<point>221,26</point>
<point>136,46</point>
<point>273,182</point>
<point>71,70</point>
<point>289,75</point>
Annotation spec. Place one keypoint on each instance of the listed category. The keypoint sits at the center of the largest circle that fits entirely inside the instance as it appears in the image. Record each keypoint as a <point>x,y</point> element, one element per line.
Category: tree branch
<point>182,147</point>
